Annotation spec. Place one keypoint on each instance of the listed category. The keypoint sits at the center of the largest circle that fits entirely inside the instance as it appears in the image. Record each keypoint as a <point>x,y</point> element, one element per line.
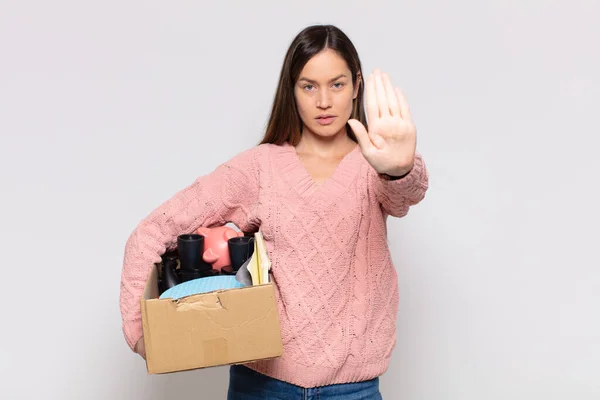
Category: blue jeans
<point>247,384</point>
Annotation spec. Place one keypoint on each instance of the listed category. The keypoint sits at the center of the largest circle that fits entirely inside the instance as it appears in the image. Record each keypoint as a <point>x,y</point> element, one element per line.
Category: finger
<point>382,102</point>
<point>367,141</point>
<point>404,109</point>
<point>371,97</point>
<point>393,102</point>
<point>362,136</point>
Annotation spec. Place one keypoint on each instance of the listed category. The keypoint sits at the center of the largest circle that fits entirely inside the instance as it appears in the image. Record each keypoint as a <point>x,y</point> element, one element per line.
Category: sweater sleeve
<point>227,194</point>
<point>396,196</point>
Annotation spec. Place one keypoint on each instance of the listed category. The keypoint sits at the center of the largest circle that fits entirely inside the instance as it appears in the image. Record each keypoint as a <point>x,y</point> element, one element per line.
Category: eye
<point>307,87</point>
<point>338,85</point>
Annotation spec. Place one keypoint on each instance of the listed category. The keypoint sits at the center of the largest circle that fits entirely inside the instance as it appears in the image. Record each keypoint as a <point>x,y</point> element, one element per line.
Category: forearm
<point>398,194</point>
<point>228,194</point>
<point>183,213</point>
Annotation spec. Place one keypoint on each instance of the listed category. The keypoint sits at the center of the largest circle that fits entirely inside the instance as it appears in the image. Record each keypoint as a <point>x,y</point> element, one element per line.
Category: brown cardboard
<point>224,327</point>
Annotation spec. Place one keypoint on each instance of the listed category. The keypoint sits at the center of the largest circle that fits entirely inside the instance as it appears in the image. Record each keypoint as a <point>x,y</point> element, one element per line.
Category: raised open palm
<point>390,144</point>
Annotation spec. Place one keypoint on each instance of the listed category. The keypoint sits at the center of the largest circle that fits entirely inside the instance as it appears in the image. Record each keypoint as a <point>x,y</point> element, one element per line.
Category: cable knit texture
<point>336,286</point>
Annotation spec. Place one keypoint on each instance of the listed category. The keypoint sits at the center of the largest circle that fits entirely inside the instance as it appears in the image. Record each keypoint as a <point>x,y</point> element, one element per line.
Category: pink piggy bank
<point>216,250</point>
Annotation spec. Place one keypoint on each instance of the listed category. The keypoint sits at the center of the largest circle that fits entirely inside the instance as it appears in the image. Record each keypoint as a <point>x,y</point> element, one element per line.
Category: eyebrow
<point>331,80</point>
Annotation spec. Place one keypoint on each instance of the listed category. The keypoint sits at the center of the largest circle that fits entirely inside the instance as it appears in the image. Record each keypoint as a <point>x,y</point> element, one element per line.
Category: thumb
<point>364,141</point>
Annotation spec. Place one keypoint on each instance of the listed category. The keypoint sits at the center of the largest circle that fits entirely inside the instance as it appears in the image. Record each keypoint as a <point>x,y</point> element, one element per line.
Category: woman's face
<point>324,94</point>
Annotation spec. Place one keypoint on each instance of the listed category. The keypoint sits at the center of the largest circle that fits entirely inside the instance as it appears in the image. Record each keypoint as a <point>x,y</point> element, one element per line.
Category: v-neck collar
<point>295,173</point>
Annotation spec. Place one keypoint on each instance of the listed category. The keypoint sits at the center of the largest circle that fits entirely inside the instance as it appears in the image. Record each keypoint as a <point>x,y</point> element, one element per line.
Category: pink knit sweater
<point>336,286</point>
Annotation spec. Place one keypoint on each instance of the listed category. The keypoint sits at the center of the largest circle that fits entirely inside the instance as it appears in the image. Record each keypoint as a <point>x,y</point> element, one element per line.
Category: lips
<point>325,119</point>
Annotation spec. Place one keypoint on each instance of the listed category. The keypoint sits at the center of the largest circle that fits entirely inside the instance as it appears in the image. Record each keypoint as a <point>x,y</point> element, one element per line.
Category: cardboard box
<point>224,327</point>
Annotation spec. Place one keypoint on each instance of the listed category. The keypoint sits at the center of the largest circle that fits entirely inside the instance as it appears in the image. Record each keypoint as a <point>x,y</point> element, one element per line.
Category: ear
<point>204,231</point>
<point>228,234</point>
<point>210,256</point>
<point>357,86</point>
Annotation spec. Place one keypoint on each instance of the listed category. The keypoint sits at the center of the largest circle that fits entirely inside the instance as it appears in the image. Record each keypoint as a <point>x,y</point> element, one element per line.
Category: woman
<point>320,186</point>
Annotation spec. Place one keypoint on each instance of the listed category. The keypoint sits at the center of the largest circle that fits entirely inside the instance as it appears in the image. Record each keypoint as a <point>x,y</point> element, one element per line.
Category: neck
<point>326,146</point>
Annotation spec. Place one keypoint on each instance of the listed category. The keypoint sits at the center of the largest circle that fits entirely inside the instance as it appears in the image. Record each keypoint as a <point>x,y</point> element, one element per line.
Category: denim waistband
<point>246,384</point>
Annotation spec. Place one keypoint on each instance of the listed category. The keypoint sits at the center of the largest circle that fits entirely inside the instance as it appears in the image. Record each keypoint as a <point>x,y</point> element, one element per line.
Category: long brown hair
<point>284,123</point>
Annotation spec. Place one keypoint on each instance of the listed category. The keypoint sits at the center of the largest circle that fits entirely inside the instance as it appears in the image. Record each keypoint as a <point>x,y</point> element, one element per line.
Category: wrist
<point>393,177</point>
<point>396,175</point>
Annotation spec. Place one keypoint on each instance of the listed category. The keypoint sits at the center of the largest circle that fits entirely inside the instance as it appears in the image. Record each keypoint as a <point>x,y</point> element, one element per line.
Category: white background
<point>108,108</point>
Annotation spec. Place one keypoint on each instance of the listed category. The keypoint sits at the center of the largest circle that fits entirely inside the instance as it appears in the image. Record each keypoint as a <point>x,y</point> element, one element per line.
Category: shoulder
<point>256,157</point>
<point>263,149</point>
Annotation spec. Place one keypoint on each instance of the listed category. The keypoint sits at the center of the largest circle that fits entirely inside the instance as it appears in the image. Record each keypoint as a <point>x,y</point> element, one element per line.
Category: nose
<point>324,99</point>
